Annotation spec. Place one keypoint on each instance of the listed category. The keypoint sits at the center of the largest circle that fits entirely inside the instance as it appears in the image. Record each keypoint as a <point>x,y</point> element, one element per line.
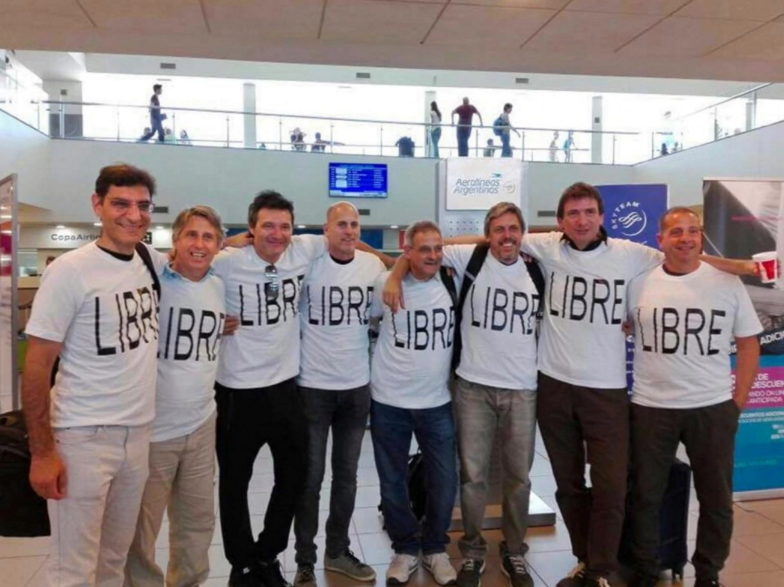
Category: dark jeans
<point>506,147</point>
<point>391,429</point>
<point>247,420</point>
<point>573,419</point>
<point>709,437</point>
<point>463,134</point>
<point>346,413</point>
<point>156,125</point>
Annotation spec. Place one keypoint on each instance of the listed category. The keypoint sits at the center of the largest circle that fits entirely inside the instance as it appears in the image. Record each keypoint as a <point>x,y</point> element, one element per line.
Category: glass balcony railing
<point>758,107</point>
<point>313,134</point>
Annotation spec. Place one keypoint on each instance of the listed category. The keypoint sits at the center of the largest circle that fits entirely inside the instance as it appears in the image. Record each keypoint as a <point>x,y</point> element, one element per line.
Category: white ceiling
<point>695,39</point>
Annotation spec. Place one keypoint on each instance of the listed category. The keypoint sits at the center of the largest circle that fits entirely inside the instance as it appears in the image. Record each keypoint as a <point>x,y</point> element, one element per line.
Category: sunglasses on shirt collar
<point>272,286</point>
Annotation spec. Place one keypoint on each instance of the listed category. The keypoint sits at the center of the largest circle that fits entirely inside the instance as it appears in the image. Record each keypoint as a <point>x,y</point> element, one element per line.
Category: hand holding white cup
<point>766,263</point>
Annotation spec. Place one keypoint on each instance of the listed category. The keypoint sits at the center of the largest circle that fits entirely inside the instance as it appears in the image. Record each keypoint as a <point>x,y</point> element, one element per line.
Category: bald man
<point>333,387</point>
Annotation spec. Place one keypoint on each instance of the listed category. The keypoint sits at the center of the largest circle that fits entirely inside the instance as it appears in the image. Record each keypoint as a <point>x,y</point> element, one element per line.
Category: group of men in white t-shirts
<point>130,427</point>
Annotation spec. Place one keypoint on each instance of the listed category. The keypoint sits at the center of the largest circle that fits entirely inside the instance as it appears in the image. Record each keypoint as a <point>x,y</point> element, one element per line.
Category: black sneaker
<point>271,574</point>
<point>575,577</point>
<point>514,567</point>
<point>470,574</point>
<point>246,577</point>
<point>305,577</point>
<point>641,579</point>
<point>700,582</point>
<point>597,581</point>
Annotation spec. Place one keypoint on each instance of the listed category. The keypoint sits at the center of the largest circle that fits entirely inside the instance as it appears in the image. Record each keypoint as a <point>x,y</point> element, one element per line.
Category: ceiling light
<point>301,226</point>
<point>159,228</point>
<point>60,226</point>
<point>96,224</point>
<point>393,226</point>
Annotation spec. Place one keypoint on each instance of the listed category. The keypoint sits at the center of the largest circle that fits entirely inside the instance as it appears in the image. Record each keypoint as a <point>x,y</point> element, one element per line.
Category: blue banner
<point>632,212</point>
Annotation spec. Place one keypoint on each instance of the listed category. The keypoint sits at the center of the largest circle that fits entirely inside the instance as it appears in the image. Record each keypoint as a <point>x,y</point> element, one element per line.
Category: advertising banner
<point>632,212</point>
<point>478,184</point>
<point>8,297</point>
<point>744,217</point>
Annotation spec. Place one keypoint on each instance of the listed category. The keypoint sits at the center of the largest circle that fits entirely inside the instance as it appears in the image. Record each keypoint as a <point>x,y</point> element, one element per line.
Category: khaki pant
<point>182,475</point>
<point>92,527</point>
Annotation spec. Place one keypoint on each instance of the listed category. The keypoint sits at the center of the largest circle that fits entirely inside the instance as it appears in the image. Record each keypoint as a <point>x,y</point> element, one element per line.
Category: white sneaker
<point>401,568</point>
<point>439,566</point>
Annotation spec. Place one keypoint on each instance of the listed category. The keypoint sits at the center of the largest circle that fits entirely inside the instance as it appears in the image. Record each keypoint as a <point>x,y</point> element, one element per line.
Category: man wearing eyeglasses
<point>97,309</point>
<point>256,392</point>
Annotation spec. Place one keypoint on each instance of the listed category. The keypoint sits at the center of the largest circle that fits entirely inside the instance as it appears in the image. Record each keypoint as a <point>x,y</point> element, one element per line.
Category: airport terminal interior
<point>328,100</point>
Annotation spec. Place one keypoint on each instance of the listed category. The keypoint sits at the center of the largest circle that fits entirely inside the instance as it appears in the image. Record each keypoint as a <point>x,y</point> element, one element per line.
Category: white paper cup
<point>766,262</point>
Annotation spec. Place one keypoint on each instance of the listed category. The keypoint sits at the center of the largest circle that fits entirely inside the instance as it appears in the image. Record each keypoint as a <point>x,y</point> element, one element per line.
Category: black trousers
<point>709,437</point>
<point>247,420</point>
<point>579,425</point>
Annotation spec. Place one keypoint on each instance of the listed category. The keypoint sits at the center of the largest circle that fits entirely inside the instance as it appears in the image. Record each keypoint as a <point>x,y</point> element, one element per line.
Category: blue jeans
<point>463,134</point>
<point>435,136</point>
<point>156,126</point>
<point>345,412</point>
<point>506,148</point>
<point>391,429</point>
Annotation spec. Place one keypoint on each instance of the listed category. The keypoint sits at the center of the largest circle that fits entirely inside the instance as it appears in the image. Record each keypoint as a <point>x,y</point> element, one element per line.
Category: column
<point>249,122</point>
<point>596,125</point>
<point>751,111</point>
<point>67,121</point>
<point>430,96</point>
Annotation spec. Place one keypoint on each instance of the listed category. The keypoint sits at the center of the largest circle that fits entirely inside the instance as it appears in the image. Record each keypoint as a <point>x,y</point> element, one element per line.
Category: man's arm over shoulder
<point>313,245</point>
<point>540,245</point>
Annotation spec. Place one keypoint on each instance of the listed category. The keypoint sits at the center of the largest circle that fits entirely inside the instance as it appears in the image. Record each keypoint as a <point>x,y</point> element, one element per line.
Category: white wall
<point>752,154</point>
<point>227,179</point>
<point>25,151</point>
<point>546,182</point>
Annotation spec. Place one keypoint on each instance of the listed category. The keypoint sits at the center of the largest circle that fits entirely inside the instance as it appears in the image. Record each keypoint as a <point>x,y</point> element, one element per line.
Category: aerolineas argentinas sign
<point>478,184</point>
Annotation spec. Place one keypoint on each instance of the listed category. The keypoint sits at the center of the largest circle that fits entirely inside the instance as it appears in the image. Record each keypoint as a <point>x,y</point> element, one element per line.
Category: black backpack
<point>474,267</point>
<point>22,511</point>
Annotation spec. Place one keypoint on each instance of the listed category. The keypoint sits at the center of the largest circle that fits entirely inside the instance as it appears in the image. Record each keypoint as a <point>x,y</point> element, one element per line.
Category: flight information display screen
<point>358,180</point>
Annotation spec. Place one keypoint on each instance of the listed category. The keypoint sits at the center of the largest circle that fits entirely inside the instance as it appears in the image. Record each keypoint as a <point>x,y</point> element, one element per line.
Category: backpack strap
<point>472,270</point>
<point>147,259</point>
<point>449,284</point>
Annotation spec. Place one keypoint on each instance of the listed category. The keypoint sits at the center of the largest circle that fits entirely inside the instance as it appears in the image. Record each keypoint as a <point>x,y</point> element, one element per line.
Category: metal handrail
<point>330,119</point>
<point>730,99</point>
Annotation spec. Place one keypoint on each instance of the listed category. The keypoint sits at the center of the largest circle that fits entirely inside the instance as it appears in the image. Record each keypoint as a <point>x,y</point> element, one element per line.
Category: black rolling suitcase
<point>22,512</point>
<point>673,522</point>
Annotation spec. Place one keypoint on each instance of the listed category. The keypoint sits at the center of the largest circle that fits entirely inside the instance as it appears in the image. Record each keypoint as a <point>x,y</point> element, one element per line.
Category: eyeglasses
<point>272,287</point>
<point>123,206</point>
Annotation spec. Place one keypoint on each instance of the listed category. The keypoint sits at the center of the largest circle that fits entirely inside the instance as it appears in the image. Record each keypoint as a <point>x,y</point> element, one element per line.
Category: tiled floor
<point>757,558</point>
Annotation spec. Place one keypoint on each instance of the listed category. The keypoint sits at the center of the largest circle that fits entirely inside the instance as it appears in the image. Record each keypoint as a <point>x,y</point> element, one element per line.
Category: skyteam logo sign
<point>629,218</point>
<point>632,211</point>
<point>478,184</point>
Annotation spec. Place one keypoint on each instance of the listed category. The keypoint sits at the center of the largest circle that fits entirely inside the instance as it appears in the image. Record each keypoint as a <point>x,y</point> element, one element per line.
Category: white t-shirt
<point>336,300</point>
<point>585,305</point>
<point>498,327</point>
<point>683,327</point>
<point>192,317</point>
<point>105,312</point>
<point>413,354</point>
<point>265,349</point>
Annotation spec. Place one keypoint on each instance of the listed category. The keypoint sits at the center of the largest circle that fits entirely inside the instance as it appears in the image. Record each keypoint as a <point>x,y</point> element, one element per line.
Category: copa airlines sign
<point>478,184</point>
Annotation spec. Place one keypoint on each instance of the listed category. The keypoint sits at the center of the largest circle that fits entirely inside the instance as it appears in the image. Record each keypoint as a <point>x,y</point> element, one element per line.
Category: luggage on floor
<point>22,512</point>
<point>673,522</point>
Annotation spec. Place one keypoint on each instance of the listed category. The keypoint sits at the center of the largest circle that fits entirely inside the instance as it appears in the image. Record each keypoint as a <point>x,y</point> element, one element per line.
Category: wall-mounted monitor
<point>358,180</point>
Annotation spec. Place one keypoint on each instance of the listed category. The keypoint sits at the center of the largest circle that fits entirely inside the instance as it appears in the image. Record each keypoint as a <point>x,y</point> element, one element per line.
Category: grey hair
<point>205,212</point>
<point>421,226</point>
